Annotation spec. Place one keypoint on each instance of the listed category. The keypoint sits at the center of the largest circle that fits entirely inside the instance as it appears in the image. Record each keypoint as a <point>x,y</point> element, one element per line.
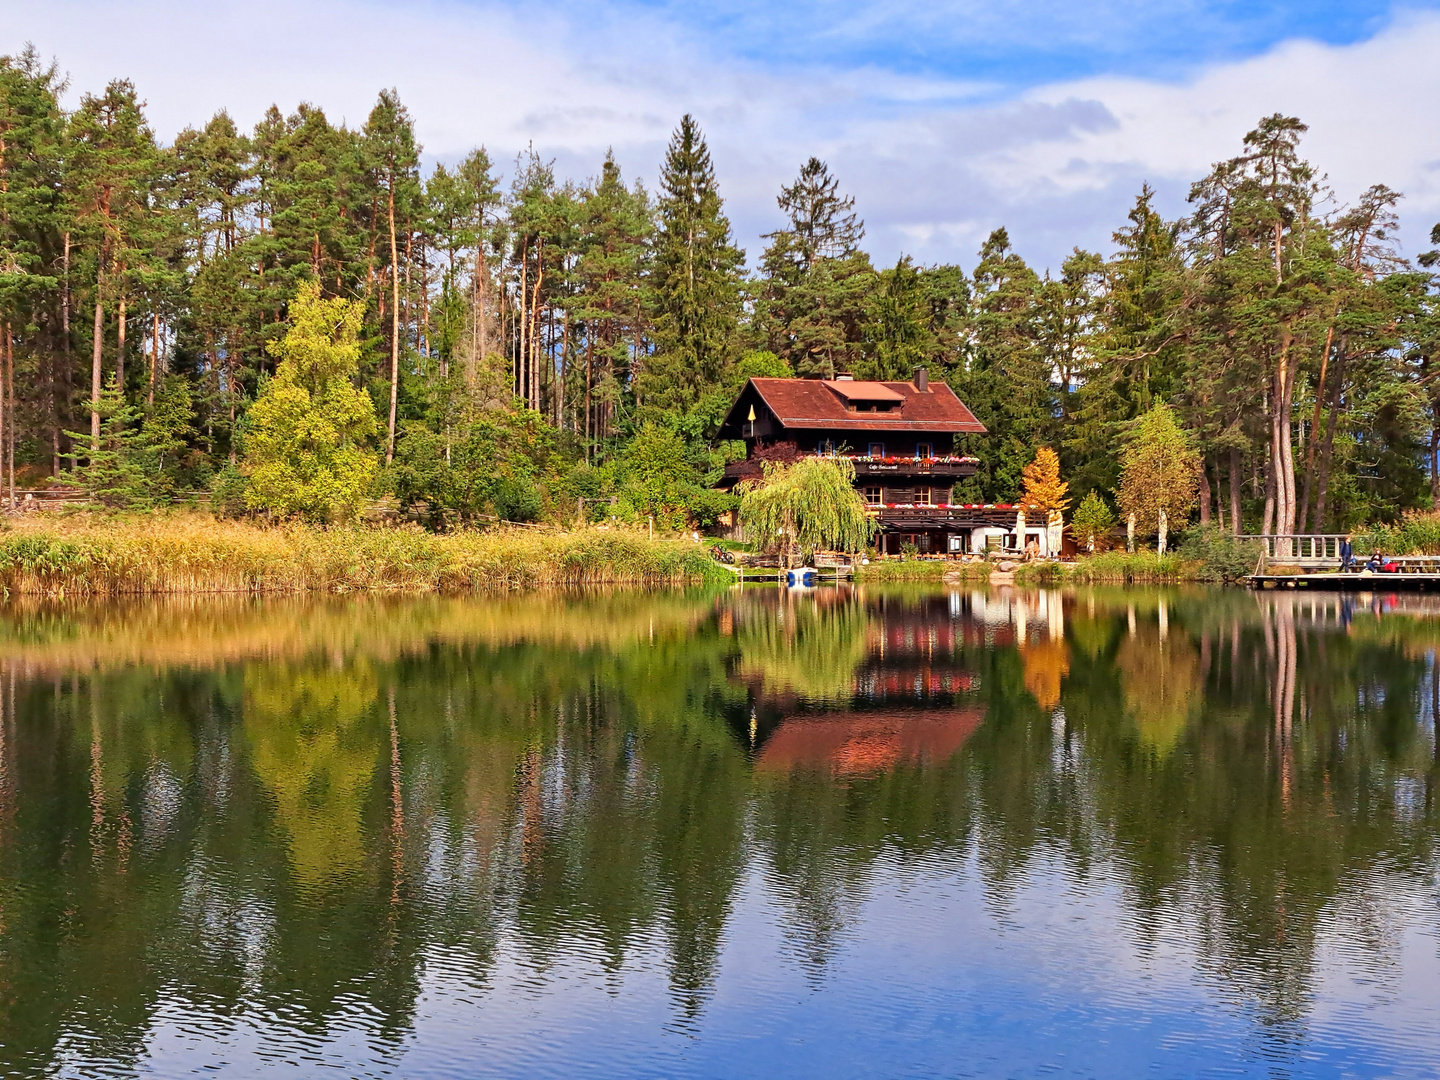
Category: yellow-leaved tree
<point>1044,489</point>
<point>307,450</point>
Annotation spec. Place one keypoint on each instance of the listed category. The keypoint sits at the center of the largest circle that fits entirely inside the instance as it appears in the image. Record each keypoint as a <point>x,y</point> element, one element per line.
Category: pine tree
<point>113,162</point>
<point>695,281</point>
<point>33,221</point>
<point>616,229</point>
<point>817,282</point>
<point>393,156</point>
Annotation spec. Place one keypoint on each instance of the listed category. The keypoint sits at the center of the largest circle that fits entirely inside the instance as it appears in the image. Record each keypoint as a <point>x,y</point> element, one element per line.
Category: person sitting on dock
<point>1347,554</point>
<point>1372,565</point>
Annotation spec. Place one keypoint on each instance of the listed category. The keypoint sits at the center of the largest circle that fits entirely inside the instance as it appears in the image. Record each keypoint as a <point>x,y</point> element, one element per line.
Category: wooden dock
<point>1397,582</point>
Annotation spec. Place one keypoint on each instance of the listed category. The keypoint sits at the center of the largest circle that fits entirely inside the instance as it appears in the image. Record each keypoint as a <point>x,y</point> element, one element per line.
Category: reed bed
<point>1125,567</point>
<point>162,554</point>
<point>922,570</point>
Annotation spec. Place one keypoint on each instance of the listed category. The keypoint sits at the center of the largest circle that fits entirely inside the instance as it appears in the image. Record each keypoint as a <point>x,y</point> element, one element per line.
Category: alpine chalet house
<point>899,436</point>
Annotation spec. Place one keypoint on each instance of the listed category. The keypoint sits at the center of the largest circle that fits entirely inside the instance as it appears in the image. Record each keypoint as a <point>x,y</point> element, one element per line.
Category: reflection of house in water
<point>865,741</point>
<point>909,700</point>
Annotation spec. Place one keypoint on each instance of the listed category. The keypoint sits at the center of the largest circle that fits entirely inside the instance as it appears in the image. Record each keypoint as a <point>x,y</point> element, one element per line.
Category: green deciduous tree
<point>807,506</point>
<point>307,451</point>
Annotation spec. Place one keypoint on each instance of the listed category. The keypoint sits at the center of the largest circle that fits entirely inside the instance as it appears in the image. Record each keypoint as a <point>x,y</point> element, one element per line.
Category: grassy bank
<point>163,554</point>
<point>894,570</point>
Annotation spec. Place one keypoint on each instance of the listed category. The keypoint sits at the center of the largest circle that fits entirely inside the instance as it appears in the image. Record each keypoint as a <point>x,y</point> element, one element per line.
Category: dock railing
<point>1307,550</point>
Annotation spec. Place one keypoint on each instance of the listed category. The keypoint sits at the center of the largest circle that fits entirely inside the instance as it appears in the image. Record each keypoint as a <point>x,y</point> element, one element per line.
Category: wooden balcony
<point>950,467</point>
<point>948,517</point>
<point>866,469</point>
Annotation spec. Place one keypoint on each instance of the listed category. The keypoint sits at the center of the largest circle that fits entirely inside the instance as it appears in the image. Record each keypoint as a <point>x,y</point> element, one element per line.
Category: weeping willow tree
<point>806,506</point>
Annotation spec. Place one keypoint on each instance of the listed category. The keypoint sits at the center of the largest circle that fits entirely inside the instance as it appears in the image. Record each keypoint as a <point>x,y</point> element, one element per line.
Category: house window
<point>872,496</point>
<point>827,446</point>
<point>922,496</point>
<point>877,449</point>
<point>923,451</point>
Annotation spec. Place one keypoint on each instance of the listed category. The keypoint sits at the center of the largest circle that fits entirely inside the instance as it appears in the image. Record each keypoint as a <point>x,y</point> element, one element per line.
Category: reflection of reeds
<point>812,649</point>
<point>204,630</point>
<point>194,554</point>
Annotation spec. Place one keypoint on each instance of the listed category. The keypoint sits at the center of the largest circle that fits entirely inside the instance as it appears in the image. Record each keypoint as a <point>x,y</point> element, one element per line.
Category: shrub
<point>1092,522</point>
<point>227,493</point>
<point>1218,555</point>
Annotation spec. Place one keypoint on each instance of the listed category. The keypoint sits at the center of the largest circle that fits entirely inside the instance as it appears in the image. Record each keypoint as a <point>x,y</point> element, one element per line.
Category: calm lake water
<point>855,833</point>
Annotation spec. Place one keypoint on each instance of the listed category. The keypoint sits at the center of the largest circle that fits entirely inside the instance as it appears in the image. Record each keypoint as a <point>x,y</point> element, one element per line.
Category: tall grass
<point>158,554</point>
<point>1123,567</point>
<point>921,570</point>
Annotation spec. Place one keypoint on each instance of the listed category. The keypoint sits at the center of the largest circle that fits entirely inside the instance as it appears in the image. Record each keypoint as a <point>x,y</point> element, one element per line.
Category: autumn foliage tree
<point>1044,490</point>
<point>1159,470</point>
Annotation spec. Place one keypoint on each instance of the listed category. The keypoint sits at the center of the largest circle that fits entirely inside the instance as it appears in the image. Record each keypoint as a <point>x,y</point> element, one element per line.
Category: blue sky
<point>1010,44</point>
<point>944,118</point>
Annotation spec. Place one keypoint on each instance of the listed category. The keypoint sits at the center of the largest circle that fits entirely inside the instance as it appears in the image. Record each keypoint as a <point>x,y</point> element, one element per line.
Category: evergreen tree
<point>695,283</point>
<point>393,156</point>
<point>816,279</point>
<point>1006,380</point>
<point>111,168</point>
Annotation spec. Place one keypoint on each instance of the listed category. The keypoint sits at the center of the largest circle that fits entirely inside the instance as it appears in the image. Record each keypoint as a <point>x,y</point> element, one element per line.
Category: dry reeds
<point>171,554</point>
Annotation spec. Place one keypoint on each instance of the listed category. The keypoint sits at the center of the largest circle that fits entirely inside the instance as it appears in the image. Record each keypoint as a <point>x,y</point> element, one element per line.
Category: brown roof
<point>868,742</point>
<point>817,403</point>
<point>851,390</point>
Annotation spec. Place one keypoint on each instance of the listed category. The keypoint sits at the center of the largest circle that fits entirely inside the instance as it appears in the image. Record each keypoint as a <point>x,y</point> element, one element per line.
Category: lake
<point>855,832</point>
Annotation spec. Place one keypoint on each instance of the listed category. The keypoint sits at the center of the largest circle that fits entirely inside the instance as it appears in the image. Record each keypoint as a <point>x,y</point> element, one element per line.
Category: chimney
<point>922,379</point>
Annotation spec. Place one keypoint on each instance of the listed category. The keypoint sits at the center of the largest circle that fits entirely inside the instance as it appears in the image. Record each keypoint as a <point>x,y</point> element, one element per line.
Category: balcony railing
<point>944,515</point>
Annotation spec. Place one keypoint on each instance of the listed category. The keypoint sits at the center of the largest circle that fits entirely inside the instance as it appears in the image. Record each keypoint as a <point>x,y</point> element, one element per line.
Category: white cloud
<point>934,163</point>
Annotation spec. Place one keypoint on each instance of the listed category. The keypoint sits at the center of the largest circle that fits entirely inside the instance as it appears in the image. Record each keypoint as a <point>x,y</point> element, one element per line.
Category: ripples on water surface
<point>848,834</point>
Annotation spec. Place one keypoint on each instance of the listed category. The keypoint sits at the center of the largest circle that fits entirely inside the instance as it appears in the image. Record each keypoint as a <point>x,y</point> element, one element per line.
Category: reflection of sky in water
<point>1016,834</point>
<point>930,972</point>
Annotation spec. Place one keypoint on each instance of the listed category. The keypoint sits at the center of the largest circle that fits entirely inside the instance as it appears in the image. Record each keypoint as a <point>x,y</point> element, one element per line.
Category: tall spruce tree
<point>695,281</point>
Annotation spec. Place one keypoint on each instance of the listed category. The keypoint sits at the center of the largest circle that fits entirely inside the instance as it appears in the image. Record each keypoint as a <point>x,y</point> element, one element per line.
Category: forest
<point>534,347</point>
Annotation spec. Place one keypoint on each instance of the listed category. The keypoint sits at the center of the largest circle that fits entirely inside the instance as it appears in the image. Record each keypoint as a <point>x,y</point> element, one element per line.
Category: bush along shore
<point>88,556</point>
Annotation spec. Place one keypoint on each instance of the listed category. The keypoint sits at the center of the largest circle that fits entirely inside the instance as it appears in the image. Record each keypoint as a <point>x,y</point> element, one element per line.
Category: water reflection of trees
<point>579,780</point>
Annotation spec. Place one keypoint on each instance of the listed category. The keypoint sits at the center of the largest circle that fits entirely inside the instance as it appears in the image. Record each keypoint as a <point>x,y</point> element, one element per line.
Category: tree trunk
<point>1267,519</point>
<point>1435,468</point>
<point>95,357</point>
<point>1327,451</point>
<point>7,420</point>
<point>1305,503</point>
<point>1236,480</point>
<point>120,350</point>
<point>482,335</point>
<point>10,395</point>
<point>394,327</point>
<point>154,355</point>
<point>1204,492</point>
<point>55,423</point>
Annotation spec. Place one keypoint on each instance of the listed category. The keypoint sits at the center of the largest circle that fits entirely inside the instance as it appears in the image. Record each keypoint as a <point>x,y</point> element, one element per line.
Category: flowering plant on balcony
<point>903,459</point>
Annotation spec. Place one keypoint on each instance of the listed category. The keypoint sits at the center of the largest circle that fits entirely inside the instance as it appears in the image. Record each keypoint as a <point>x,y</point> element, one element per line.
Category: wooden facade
<point>900,438</point>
